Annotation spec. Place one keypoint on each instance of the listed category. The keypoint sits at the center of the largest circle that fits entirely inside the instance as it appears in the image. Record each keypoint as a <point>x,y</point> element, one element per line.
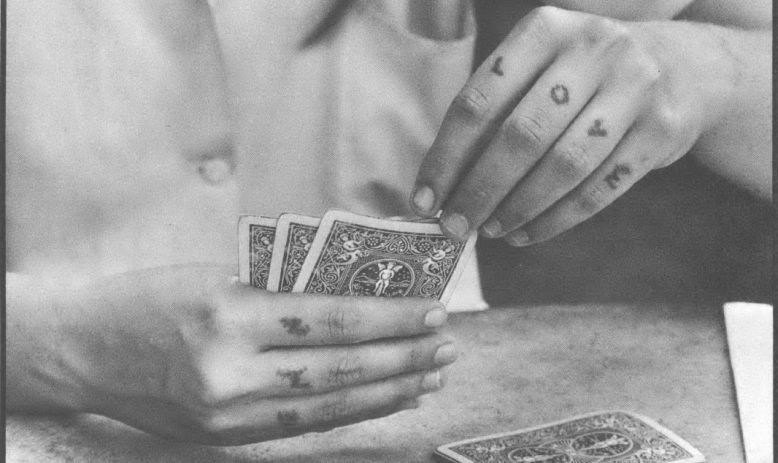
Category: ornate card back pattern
<point>605,437</point>
<point>260,252</point>
<point>299,240</point>
<point>362,260</point>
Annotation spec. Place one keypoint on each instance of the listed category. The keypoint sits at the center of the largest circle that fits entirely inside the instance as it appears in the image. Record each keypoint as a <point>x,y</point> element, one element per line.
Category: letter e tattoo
<point>614,177</point>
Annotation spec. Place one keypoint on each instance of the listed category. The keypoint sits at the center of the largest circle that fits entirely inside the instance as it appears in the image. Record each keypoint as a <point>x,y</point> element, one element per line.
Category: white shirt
<point>343,122</point>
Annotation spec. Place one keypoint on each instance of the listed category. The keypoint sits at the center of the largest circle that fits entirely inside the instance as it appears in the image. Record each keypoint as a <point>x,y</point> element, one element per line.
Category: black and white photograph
<point>347,231</point>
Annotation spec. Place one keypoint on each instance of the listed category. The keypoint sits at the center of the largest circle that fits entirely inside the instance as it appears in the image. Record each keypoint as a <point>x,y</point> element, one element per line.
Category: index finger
<point>313,319</point>
<point>482,104</point>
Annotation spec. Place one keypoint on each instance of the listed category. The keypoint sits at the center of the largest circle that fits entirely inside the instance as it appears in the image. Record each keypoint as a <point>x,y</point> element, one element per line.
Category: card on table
<point>365,256</point>
<point>255,249</point>
<point>293,239</point>
<point>601,437</point>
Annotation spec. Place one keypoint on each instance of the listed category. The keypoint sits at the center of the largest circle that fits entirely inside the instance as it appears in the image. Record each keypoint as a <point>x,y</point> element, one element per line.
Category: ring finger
<point>304,371</point>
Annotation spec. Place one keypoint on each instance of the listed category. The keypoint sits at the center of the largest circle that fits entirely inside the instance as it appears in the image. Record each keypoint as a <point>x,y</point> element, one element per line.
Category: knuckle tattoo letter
<point>597,130</point>
<point>295,326</point>
<point>295,378</point>
<point>614,177</point>
<point>560,94</point>
<point>496,69</point>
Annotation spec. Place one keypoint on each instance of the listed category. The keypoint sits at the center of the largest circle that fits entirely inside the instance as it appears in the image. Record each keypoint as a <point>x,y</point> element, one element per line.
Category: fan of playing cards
<point>350,254</point>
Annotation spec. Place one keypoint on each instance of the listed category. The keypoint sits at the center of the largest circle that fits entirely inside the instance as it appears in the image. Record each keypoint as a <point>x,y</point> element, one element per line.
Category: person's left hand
<point>564,117</point>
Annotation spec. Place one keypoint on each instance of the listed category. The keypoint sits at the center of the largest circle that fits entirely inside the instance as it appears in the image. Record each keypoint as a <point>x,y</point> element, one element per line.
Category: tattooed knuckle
<point>524,132</point>
<point>471,105</point>
<point>344,323</point>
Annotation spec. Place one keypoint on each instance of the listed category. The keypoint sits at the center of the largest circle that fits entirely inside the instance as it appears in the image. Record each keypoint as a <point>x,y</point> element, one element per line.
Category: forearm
<point>34,382</point>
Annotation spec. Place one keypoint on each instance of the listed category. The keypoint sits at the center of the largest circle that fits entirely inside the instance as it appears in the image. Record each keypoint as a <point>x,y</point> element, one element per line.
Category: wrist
<point>702,66</point>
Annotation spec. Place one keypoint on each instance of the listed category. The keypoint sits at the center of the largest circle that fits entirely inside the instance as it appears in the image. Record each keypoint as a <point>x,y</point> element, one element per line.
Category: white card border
<point>696,457</point>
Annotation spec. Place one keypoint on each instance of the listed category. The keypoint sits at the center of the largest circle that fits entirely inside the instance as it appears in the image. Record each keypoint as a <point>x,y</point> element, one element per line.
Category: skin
<point>584,106</point>
<point>187,353</point>
<point>182,352</point>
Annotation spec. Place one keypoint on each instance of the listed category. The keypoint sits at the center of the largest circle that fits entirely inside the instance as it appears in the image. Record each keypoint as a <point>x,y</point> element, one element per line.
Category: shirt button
<point>215,170</point>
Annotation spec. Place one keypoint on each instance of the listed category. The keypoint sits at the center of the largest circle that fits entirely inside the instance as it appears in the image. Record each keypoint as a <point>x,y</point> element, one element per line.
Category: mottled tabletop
<point>519,367</point>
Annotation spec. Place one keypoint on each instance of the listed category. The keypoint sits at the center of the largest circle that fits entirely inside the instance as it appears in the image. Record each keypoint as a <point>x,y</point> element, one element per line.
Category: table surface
<point>518,367</point>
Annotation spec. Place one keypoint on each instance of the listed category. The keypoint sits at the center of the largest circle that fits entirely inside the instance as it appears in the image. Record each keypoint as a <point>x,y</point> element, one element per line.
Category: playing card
<point>358,255</point>
<point>255,249</point>
<point>293,239</point>
<point>601,437</point>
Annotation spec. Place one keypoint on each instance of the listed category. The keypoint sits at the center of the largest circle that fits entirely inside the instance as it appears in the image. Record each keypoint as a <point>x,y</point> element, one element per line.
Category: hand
<point>564,117</point>
<point>187,353</point>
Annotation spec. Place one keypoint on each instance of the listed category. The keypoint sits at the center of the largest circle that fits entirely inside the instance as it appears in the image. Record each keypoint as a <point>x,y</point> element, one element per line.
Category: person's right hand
<point>188,353</point>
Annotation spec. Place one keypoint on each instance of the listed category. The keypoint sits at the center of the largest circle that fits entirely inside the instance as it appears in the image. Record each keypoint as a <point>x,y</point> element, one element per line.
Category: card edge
<point>287,217</point>
<point>244,221</point>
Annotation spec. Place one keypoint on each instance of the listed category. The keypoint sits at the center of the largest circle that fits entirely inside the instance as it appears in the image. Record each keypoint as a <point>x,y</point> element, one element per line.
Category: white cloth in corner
<point>750,340</point>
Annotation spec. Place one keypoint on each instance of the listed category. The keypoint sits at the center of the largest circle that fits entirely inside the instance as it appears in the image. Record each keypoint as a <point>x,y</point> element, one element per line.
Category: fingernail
<point>491,228</point>
<point>431,381</point>
<point>435,318</point>
<point>408,404</point>
<point>455,224</point>
<point>424,199</point>
<point>518,238</point>
<point>445,355</point>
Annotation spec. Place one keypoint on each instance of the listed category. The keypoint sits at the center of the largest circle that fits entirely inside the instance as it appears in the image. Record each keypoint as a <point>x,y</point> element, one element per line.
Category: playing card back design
<point>605,437</point>
<point>364,260</point>
<point>255,249</point>
<point>299,239</point>
<point>261,251</point>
